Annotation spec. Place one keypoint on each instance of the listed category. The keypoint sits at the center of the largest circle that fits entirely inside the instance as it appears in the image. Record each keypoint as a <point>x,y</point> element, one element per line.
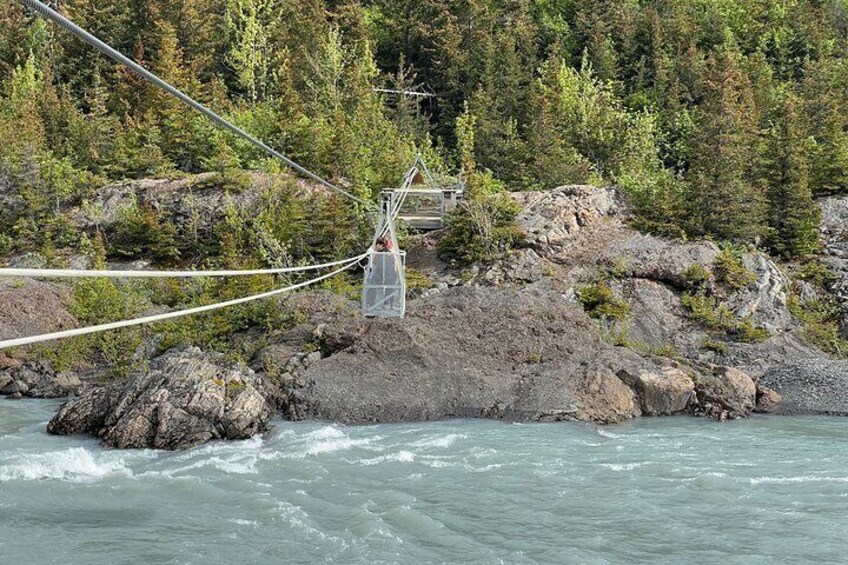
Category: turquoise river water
<point>678,490</point>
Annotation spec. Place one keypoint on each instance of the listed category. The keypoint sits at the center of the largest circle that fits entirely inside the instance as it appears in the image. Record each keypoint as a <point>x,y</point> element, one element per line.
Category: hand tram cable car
<point>384,287</point>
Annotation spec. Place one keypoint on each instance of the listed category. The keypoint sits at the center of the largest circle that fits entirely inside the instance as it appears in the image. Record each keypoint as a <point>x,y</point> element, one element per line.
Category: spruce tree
<point>723,201</point>
<point>792,215</point>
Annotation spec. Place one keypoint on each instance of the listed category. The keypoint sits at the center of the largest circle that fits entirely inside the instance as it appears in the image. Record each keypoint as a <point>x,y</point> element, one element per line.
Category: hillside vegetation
<point>721,119</point>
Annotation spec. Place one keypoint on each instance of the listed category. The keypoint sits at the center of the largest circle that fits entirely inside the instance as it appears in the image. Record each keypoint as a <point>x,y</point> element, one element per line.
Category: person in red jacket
<point>384,244</point>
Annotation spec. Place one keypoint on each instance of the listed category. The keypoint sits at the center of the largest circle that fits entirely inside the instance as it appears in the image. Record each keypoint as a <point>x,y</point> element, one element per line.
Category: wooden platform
<point>423,223</point>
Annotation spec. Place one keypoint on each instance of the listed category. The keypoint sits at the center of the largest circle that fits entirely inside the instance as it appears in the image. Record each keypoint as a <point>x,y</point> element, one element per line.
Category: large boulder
<point>662,392</point>
<point>464,352</point>
<point>725,393</point>
<point>809,386</point>
<point>186,397</point>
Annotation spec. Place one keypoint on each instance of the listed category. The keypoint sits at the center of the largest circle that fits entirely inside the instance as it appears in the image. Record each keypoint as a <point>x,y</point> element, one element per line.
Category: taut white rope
<point>170,315</point>
<point>90,274</point>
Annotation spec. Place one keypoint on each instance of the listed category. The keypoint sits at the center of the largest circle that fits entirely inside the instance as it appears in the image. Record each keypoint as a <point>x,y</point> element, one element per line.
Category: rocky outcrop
<point>491,353</point>
<point>38,380</point>
<point>506,340</point>
<point>657,317</point>
<point>665,261</point>
<point>185,398</point>
<point>764,300</point>
<point>195,204</point>
<point>30,307</point>
<point>471,353</point>
<point>723,393</point>
<point>834,237</point>
<point>663,392</point>
<point>811,386</point>
<point>553,220</point>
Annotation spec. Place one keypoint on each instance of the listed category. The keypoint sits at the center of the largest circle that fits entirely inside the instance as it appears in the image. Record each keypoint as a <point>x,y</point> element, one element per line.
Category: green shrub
<point>618,268</point>
<point>821,319</point>
<point>7,244</point>
<point>599,301</point>
<point>817,273</point>
<point>715,345</point>
<point>707,311</point>
<point>696,276</point>
<point>141,232</point>
<point>747,332</point>
<point>481,229</point>
<point>729,270</point>
<point>415,280</point>
<point>231,181</point>
<point>619,336</point>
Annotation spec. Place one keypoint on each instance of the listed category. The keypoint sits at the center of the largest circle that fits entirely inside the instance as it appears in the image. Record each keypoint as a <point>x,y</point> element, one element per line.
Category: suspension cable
<point>105,49</point>
<point>170,315</point>
<point>90,274</point>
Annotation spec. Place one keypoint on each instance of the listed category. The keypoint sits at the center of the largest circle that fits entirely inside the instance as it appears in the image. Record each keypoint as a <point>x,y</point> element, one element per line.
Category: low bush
<point>821,319</point>
<point>696,276</point>
<point>729,269</point>
<point>481,229</point>
<point>599,301</point>
<point>141,232</point>
<point>707,311</point>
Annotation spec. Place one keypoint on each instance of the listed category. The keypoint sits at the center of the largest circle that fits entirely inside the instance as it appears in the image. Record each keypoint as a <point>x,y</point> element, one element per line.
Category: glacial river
<point>681,490</point>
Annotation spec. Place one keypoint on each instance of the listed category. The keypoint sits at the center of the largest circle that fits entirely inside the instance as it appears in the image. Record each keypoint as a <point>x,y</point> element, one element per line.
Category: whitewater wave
<point>623,466</point>
<point>801,479</point>
<point>75,464</point>
<point>400,457</point>
<point>327,439</point>
<point>236,465</point>
<point>439,441</point>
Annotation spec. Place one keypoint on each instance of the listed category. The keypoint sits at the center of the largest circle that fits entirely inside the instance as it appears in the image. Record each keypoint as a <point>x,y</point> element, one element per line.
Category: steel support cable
<point>102,47</point>
<point>403,191</point>
<point>90,274</point>
<point>18,342</point>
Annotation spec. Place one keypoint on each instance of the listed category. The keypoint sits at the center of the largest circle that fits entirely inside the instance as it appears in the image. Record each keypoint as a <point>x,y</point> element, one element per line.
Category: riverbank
<point>589,320</point>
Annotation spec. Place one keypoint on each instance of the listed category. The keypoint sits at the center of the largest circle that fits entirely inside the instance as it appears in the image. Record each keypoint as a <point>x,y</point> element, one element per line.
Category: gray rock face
<point>757,358</point>
<point>471,353</point>
<point>725,393</point>
<point>834,236</point>
<point>30,307</point>
<point>811,386</point>
<point>185,398</point>
<point>521,267</point>
<point>552,220</point>
<point>194,207</point>
<point>764,301</point>
<point>648,257</point>
<point>657,317</point>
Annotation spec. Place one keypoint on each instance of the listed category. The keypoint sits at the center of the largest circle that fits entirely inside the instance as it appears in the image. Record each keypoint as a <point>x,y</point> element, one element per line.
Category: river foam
<point>75,464</point>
